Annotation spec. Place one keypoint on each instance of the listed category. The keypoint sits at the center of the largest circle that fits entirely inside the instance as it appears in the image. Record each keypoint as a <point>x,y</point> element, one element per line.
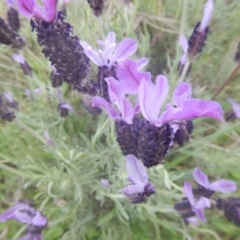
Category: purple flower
<point>197,206</point>
<point>140,187</point>
<point>222,186</point>
<point>10,3</point>
<point>206,16</point>
<point>186,108</point>
<point>26,214</point>
<point>111,52</point>
<point>130,76</point>
<point>235,107</point>
<point>49,141</point>
<point>30,8</point>
<point>117,97</point>
<point>105,183</point>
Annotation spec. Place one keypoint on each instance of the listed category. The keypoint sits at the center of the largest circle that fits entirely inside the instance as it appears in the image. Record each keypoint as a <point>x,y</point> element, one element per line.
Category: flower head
<point>30,8</point>
<point>141,187</point>
<point>24,213</point>
<point>235,107</point>
<point>111,52</point>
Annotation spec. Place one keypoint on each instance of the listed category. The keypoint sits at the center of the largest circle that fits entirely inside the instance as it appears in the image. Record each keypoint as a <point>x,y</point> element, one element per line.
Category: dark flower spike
<point>9,37</point>
<point>26,214</point>
<point>63,49</point>
<point>153,143</point>
<point>222,185</point>
<point>27,70</point>
<point>13,19</point>
<point>141,188</point>
<point>231,208</point>
<point>97,6</point>
<point>30,9</point>
<point>197,40</point>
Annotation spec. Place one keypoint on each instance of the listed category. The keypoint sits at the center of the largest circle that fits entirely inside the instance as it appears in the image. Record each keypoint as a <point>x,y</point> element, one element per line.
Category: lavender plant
<point>144,128</point>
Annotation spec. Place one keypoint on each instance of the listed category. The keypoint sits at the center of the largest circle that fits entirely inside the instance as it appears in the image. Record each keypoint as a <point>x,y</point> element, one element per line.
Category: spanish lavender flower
<point>194,206</point>
<point>234,113</point>
<point>24,213</point>
<point>197,40</point>
<point>141,188</point>
<point>97,6</point>
<point>27,70</point>
<point>5,114</point>
<point>206,188</point>
<point>9,37</point>
<point>63,49</point>
<point>231,208</point>
<point>111,52</point>
<point>30,94</point>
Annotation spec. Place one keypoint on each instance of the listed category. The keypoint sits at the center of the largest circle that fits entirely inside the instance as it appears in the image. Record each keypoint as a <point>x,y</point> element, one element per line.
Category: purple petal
<point>181,93</point>
<point>39,220</point>
<point>199,206</point>
<point>235,107</point>
<point>125,49</point>
<point>26,7</point>
<point>127,111</point>
<point>142,62</point>
<point>191,109</point>
<point>10,3</point>
<point>136,170</point>
<point>187,191</point>
<point>192,220</point>
<point>201,178</point>
<point>94,56</point>
<point>18,212</point>
<point>50,7</point>
<point>115,91</point>
<point>206,16</point>
<point>184,43</point>
<point>130,77</point>
<point>18,58</point>
<point>105,183</point>
<point>9,97</point>
<point>111,38</point>
<point>152,96</point>
<point>223,186</point>
<point>111,111</point>
<point>133,189</point>
<point>67,106</point>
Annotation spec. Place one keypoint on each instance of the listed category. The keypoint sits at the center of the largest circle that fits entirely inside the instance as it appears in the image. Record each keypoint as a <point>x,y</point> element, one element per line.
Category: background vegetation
<point>64,182</point>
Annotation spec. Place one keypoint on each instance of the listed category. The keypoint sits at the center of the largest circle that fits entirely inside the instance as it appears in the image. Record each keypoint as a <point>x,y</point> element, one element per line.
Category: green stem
<point>230,78</point>
<point>29,130</point>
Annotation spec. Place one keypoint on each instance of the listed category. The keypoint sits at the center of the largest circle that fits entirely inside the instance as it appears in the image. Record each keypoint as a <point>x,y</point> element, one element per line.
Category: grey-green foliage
<point>64,182</point>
